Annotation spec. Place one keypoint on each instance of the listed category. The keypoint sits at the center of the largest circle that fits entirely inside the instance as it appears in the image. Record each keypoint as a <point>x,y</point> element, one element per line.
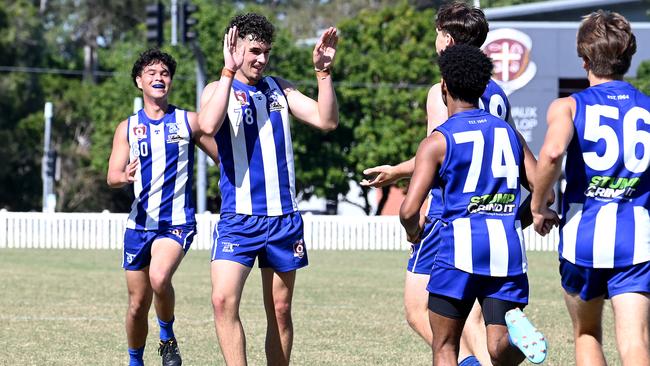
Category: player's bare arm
<point>322,114</point>
<point>428,159</point>
<point>120,171</point>
<point>558,135</point>
<point>205,142</point>
<point>214,99</point>
<point>384,175</point>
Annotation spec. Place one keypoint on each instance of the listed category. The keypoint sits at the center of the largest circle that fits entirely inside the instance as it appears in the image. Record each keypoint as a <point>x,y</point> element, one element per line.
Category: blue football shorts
<point>137,243</point>
<point>590,283</point>
<point>423,253</point>
<point>457,284</point>
<point>277,241</point>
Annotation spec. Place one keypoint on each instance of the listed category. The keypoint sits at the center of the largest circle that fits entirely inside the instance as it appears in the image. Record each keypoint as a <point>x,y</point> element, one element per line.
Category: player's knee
<point>222,305</point>
<point>137,308</point>
<point>160,281</point>
<point>282,311</point>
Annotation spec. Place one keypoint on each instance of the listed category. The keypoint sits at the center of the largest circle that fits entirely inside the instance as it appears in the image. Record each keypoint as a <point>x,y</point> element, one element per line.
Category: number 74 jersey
<point>479,179</point>
<point>605,221</point>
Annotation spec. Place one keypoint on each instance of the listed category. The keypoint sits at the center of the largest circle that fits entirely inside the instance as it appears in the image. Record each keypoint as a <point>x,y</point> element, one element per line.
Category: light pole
<point>48,163</point>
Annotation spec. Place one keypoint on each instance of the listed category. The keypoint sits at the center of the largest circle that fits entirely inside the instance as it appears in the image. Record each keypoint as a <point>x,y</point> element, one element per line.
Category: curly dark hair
<point>466,71</point>
<point>465,24</point>
<point>150,57</point>
<point>254,25</point>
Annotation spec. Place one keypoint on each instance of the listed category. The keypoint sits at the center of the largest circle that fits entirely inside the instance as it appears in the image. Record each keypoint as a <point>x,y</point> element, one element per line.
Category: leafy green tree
<point>386,66</point>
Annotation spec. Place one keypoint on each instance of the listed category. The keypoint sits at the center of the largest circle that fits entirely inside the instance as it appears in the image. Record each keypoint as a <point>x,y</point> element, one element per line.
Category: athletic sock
<point>166,329</point>
<point>469,361</point>
<point>135,356</point>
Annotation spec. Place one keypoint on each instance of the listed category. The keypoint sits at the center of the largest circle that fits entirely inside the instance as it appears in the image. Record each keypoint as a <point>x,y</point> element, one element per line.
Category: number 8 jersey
<point>479,178</point>
<point>605,221</point>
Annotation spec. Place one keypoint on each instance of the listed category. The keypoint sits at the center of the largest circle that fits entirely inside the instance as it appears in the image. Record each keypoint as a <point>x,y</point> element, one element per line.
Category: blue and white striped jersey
<point>605,221</point>
<point>163,180</point>
<point>256,153</point>
<point>499,106</point>
<point>480,193</point>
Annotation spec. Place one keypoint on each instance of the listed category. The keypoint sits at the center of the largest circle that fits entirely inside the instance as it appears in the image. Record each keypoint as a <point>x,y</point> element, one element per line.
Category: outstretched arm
<point>558,135</point>
<point>214,99</point>
<point>324,113</point>
<point>384,175</point>
<point>120,171</point>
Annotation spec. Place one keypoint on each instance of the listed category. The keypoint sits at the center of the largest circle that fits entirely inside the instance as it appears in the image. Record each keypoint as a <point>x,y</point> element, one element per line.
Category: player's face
<point>443,40</point>
<point>155,80</point>
<point>256,57</point>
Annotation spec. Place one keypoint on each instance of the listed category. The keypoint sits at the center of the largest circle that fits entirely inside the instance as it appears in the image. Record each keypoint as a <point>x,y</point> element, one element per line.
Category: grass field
<point>65,307</point>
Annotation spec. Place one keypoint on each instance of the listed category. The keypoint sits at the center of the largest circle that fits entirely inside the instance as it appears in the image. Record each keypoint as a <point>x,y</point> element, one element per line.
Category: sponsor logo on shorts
<point>499,203</point>
<point>412,250</point>
<point>178,232</point>
<point>129,257</point>
<point>228,247</point>
<point>299,249</point>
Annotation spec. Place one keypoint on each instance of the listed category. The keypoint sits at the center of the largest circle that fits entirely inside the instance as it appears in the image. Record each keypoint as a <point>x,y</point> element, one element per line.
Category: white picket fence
<point>106,230</point>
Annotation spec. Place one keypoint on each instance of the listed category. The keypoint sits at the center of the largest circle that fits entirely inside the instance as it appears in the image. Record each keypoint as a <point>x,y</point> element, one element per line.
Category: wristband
<point>227,72</point>
<point>322,73</point>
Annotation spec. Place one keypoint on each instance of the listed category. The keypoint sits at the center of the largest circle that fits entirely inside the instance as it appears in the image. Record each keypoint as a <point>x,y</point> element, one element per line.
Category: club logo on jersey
<point>228,247</point>
<point>172,127</point>
<point>499,204</point>
<point>299,249</point>
<point>274,104</point>
<point>510,49</point>
<point>129,257</point>
<point>140,131</point>
<point>606,188</point>
<point>241,97</point>
<point>178,232</point>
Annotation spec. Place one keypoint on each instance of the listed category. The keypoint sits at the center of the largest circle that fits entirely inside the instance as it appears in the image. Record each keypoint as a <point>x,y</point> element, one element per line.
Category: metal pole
<point>174,22</point>
<point>47,179</point>
<point>201,170</point>
<point>477,3</point>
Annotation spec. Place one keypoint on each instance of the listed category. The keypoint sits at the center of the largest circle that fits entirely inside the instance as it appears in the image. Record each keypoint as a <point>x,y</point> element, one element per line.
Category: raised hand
<point>325,49</point>
<point>232,58</point>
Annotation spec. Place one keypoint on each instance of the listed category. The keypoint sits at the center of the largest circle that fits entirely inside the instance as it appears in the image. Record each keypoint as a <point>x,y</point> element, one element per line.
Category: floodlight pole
<point>174,10</point>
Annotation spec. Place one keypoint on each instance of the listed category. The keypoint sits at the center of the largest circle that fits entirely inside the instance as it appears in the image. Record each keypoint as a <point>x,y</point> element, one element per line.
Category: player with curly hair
<point>248,113</point>
<point>154,151</point>
<point>477,161</point>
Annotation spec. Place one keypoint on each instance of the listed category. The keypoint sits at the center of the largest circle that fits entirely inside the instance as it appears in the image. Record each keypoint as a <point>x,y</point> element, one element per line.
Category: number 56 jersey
<point>605,221</point>
<point>479,178</point>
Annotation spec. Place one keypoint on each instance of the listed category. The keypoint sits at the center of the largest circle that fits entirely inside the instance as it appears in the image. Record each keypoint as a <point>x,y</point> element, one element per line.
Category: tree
<point>386,66</point>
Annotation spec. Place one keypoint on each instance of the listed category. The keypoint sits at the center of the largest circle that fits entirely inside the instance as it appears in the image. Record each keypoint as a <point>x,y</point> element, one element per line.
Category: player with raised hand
<point>249,115</point>
<point>604,132</point>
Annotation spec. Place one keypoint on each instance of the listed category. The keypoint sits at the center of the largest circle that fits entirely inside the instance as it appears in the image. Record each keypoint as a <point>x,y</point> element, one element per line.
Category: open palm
<point>325,49</point>
<point>232,58</point>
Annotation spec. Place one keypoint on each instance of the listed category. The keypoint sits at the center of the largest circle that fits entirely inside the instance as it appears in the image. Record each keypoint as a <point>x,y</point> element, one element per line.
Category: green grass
<point>66,307</point>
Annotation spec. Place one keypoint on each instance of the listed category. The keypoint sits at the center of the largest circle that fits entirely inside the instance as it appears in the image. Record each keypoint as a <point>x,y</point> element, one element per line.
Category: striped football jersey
<point>480,196</point>
<point>605,221</point>
<point>497,105</point>
<point>163,180</point>
<point>255,151</point>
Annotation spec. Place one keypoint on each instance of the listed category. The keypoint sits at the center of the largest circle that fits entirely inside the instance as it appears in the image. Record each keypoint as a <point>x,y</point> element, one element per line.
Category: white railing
<point>106,231</point>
